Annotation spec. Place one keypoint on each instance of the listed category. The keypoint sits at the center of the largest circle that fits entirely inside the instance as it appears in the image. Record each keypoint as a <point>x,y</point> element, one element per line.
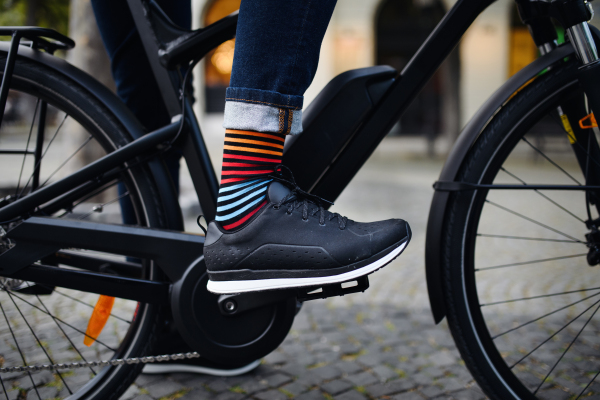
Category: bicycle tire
<point>134,337</point>
<point>517,293</point>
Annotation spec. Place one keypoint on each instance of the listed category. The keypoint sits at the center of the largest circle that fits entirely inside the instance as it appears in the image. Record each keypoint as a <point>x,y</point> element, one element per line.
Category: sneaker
<point>294,242</point>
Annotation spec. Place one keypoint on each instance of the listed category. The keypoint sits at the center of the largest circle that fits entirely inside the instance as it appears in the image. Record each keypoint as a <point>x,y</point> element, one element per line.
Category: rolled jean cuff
<point>263,111</point>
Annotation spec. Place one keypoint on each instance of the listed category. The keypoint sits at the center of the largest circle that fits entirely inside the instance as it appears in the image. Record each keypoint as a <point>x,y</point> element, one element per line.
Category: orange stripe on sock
<point>250,150</point>
<point>236,140</point>
<point>238,164</point>
<point>265,135</point>
<point>240,157</point>
<point>241,221</point>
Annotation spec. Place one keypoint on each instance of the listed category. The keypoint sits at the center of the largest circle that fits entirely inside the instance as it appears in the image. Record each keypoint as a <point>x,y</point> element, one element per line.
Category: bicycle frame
<point>385,103</point>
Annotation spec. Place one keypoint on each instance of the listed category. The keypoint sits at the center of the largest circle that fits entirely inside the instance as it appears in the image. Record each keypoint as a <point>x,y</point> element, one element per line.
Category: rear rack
<point>39,40</point>
<point>39,37</point>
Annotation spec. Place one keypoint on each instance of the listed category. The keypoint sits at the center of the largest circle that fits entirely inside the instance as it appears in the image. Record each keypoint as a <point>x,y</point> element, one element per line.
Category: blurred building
<point>369,32</point>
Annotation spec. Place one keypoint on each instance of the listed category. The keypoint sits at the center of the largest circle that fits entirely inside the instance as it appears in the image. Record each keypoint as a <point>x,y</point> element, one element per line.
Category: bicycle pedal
<point>332,290</point>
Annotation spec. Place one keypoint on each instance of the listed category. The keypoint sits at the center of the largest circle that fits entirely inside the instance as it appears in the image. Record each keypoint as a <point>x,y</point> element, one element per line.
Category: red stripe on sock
<point>237,164</point>
<point>240,157</point>
<point>266,171</point>
<point>229,180</point>
<point>241,221</point>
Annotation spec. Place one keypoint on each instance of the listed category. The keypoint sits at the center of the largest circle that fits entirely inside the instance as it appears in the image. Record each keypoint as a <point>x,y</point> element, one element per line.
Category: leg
<point>268,233</point>
<point>131,71</point>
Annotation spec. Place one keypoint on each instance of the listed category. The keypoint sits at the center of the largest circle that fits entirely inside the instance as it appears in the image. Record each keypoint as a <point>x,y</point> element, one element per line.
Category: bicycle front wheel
<point>522,301</point>
<point>52,127</point>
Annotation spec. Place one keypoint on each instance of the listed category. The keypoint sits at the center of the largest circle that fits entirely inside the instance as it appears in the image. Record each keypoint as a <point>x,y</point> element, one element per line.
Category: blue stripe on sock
<point>241,192</point>
<point>238,212</point>
<point>245,199</point>
<point>230,188</point>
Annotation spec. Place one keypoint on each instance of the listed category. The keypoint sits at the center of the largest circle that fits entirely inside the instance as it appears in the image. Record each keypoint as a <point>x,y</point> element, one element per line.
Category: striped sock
<point>248,158</point>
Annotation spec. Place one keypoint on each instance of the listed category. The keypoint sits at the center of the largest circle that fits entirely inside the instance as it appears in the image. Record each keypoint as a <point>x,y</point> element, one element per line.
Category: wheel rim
<point>49,328</point>
<point>533,317</point>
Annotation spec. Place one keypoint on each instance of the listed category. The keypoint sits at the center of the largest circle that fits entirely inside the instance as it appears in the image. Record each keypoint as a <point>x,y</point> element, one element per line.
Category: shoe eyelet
<point>288,213</point>
<point>320,224</point>
<point>276,207</point>
<point>305,220</point>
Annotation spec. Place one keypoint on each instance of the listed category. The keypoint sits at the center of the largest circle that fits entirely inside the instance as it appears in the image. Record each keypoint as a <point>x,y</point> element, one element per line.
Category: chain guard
<point>226,339</point>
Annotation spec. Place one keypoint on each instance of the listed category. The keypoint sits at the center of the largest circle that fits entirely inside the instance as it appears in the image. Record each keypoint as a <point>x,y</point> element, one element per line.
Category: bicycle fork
<point>573,16</point>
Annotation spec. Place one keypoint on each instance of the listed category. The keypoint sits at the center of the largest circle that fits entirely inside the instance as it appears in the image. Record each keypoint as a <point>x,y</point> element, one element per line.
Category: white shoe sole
<point>164,368</point>
<point>230,287</point>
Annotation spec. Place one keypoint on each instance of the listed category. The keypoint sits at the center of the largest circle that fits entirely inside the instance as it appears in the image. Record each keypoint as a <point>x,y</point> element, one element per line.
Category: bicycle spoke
<point>527,238</point>
<point>550,161</point>
<point>64,333</point>
<point>567,349</point>
<point>94,193</point>
<point>554,334</point>
<point>534,221</point>
<point>18,349</point>
<point>27,146</point>
<point>588,385</point>
<point>89,305</point>
<point>544,196</point>
<point>537,297</point>
<point>39,144</point>
<point>105,204</point>
<point>89,139</point>
<point>544,316</point>
<point>38,341</point>
<point>529,262</point>
<point>562,127</point>
<point>37,165</point>
<point>61,321</point>
<point>3,387</point>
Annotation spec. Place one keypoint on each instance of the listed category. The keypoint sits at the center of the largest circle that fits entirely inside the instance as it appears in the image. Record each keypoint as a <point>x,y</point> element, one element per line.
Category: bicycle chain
<point>102,363</point>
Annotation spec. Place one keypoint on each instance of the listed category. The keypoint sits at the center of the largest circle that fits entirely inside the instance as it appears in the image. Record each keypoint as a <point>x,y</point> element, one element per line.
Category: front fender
<point>438,210</point>
<point>120,111</point>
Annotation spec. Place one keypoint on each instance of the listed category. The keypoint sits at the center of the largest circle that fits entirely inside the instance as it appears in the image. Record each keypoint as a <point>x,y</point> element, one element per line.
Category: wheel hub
<point>593,242</point>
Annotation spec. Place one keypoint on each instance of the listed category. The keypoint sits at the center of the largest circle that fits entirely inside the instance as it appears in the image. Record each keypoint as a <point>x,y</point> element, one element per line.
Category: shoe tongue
<point>277,192</point>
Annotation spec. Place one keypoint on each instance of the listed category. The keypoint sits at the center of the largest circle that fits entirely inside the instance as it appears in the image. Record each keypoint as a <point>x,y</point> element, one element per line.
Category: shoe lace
<point>298,198</point>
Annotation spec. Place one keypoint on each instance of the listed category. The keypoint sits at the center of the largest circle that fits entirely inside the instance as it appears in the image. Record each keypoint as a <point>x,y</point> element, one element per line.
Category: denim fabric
<point>261,118</point>
<point>131,70</point>
<point>276,56</point>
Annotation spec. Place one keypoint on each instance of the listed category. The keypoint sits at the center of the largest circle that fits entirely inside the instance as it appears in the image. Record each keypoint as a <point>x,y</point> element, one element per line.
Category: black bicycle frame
<point>326,182</point>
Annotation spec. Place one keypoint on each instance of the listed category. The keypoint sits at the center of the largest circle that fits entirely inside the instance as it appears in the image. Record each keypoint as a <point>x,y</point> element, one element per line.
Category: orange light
<point>587,122</point>
<point>98,319</point>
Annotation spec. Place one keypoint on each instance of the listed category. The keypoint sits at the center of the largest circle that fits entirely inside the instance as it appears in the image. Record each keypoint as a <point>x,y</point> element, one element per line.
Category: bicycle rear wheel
<point>52,127</point>
<point>521,299</point>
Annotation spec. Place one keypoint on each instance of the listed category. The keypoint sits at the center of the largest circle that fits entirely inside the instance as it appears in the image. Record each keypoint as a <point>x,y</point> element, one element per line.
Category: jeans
<point>276,57</point>
<point>132,74</point>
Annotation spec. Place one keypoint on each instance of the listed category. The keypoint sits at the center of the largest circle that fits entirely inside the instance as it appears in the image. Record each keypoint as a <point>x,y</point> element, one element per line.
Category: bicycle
<point>56,248</point>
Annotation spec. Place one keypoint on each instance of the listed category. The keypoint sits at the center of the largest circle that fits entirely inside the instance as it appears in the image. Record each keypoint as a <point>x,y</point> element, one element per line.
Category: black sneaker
<point>294,242</point>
